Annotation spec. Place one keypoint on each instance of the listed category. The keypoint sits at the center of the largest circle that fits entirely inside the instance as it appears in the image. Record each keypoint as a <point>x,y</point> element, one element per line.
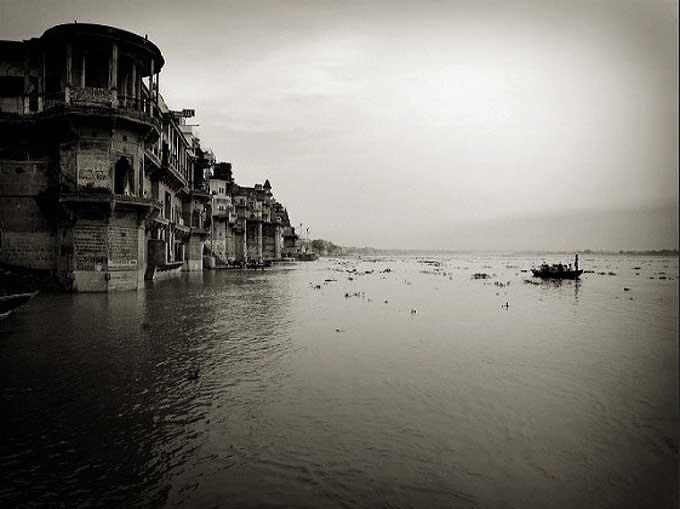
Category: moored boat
<point>308,256</point>
<point>9,303</point>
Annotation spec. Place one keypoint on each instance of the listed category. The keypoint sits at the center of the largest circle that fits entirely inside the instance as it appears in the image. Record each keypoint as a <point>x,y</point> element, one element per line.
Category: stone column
<point>113,75</point>
<point>152,65</point>
<point>245,240</point>
<point>158,88</point>
<point>27,79</point>
<point>259,242</point>
<point>133,91</point>
<point>277,242</point>
<point>41,81</point>
<point>83,62</point>
<point>69,72</point>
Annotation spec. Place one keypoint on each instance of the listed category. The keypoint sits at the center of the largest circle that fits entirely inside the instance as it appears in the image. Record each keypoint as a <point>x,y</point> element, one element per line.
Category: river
<point>387,382</point>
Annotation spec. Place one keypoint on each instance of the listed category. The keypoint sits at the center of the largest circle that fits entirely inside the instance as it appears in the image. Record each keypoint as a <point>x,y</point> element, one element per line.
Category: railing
<point>54,99</point>
<point>96,96</point>
<point>170,161</point>
<point>91,95</point>
<point>132,103</point>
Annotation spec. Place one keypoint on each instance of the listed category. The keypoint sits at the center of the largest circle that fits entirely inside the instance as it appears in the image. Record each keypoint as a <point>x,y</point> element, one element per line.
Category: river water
<point>414,387</point>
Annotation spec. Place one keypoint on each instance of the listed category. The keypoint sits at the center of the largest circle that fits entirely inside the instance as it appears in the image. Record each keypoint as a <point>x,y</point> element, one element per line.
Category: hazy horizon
<point>439,125</point>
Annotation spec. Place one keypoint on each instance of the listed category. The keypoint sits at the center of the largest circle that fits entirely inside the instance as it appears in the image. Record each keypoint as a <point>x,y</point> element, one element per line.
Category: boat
<point>558,271</point>
<point>9,303</point>
<point>308,256</point>
<point>286,261</point>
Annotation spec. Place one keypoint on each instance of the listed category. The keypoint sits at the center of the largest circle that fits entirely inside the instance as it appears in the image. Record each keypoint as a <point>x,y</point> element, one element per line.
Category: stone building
<point>248,224</point>
<point>97,176</point>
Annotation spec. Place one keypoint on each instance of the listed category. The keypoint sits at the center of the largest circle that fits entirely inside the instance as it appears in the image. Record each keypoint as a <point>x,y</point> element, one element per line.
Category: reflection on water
<point>408,387</point>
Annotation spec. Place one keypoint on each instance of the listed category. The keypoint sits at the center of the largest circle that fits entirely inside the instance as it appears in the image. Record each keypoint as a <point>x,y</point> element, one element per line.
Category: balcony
<point>110,201</point>
<point>94,101</point>
<point>168,171</point>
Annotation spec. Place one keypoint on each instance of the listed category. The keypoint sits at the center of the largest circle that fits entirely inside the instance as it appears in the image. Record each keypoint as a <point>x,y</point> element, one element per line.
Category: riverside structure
<point>102,185</point>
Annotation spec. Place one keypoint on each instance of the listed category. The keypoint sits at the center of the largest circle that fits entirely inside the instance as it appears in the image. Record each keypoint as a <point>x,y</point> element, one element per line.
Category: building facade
<point>249,226</point>
<point>101,184</point>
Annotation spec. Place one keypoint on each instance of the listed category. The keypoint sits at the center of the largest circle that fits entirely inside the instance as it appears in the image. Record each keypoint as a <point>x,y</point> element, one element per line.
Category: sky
<point>441,124</point>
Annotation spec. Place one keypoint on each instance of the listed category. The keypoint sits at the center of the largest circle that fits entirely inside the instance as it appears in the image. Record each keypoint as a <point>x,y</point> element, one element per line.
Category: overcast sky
<point>452,124</point>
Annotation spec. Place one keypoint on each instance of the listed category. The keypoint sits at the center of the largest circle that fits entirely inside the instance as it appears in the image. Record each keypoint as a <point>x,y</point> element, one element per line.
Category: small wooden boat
<point>9,303</point>
<point>558,271</point>
<point>309,256</point>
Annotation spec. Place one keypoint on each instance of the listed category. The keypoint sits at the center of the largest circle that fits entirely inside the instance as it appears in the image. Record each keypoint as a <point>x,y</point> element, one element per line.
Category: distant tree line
<point>326,248</point>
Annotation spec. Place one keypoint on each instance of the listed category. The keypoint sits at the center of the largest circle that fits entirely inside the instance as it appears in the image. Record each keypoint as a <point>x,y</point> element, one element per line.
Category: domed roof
<point>70,32</point>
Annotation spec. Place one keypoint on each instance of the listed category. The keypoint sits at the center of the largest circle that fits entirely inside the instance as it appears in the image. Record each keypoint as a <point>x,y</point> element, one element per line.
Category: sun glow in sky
<point>456,125</point>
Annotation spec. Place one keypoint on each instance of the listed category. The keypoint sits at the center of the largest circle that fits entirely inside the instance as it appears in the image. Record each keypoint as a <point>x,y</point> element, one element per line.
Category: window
<point>168,204</point>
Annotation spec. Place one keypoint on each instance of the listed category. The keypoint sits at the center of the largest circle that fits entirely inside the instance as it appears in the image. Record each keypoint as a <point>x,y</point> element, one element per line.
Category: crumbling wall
<point>27,235</point>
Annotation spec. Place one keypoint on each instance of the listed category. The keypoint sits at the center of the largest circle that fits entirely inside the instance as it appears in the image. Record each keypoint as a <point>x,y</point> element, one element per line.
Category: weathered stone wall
<point>268,241</point>
<point>218,242</point>
<point>90,161</point>
<point>231,242</point>
<point>27,236</point>
<point>156,252</point>
<point>252,240</point>
<point>107,256</point>
<point>239,254</point>
<point>194,253</point>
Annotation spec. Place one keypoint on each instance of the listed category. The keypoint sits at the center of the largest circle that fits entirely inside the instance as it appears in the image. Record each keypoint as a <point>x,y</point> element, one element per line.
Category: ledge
<point>112,200</point>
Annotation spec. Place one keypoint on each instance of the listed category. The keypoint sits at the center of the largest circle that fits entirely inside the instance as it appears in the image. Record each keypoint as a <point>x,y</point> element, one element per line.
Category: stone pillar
<point>83,62</point>
<point>113,75</point>
<point>277,242</point>
<point>152,65</point>
<point>134,85</point>
<point>158,88</point>
<point>245,240</point>
<point>27,80</point>
<point>69,72</point>
<point>41,81</point>
<point>259,242</point>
